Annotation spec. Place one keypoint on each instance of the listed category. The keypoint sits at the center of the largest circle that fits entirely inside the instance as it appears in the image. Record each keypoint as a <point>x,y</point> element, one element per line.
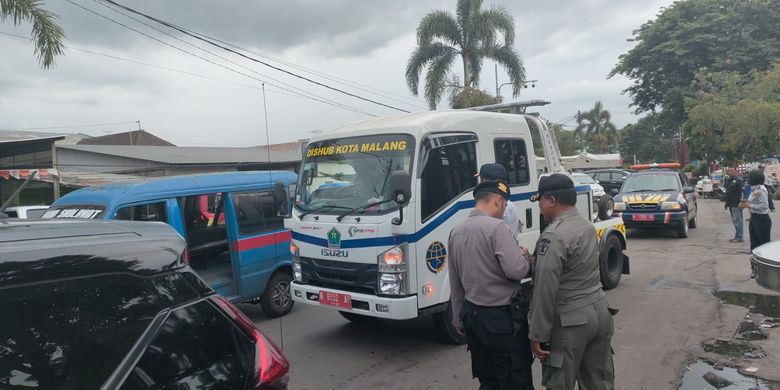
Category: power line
<point>70,126</point>
<point>196,36</point>
<point>132,61</point>
<point>215,63</point>
<point>218,56</point>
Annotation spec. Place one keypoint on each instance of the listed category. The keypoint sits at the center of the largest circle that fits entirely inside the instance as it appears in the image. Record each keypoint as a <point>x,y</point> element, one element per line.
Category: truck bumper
<point>364,304</point>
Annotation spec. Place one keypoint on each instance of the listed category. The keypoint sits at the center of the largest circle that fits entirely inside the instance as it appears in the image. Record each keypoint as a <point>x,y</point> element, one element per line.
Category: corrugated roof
<point>190,155</point>
<point>134,137</point>
<point>20,135</point>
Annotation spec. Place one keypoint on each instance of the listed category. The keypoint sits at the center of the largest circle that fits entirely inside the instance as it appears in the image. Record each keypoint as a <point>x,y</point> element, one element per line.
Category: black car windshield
<point>345,173</point>
<point>72,334</point>
<point>651,182</point>
<point>584,179</point>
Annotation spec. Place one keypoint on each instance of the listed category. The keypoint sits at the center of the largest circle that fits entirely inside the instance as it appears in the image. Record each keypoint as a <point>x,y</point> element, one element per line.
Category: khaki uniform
<point>486,267</point>
<point>569,309</point>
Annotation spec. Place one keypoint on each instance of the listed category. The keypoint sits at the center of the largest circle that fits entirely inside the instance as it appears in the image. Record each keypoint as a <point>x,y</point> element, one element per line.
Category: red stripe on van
<point>246,244</point>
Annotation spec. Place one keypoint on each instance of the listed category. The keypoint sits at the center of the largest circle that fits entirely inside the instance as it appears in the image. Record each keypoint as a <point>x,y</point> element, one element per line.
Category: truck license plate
<point>335,299</point>
<point>643,217</point>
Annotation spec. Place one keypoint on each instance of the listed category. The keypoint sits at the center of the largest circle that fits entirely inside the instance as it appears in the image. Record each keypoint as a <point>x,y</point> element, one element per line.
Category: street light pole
<point>525,85</point>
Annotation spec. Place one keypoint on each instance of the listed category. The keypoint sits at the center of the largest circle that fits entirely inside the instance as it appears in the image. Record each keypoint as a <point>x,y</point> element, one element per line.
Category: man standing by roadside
<point>486,267</point>
<point>570,324</point>
<point>733,185</point>
<point>498,172</point>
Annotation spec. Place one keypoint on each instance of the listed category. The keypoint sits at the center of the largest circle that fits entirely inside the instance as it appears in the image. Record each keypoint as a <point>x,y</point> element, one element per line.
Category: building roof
<point>20,135</point>
<point>190,155</point>
<point>134,138</point>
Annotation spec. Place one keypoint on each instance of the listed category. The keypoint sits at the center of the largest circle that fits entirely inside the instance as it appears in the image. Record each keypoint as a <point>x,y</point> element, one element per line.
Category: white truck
<point>377,199</point>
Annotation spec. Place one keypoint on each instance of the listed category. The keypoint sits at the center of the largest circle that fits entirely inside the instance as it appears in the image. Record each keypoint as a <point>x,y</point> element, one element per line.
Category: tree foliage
<point>720,35</point>
<point>46,34</point>
<point>471,97</point>
<point>595,130</point>
<point>650,139</point>
<point>472,34</point>
<point>735,117</point>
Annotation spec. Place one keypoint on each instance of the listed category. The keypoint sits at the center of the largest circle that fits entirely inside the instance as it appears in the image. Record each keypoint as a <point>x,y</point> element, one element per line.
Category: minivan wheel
<point>277,300</point>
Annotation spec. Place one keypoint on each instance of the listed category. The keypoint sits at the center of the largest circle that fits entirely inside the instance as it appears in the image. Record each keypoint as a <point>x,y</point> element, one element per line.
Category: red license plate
<point>643,217</point>
<point>335,299</point>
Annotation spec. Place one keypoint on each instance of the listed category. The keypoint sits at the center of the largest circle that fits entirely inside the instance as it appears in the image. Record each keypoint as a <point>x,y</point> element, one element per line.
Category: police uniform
<point>494,171</point>
<point>486,267</point>
<point>569,310</point>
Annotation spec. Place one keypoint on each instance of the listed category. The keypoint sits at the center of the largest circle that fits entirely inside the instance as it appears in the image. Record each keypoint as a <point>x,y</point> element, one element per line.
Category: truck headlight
<point>671,206</point>
<point>295,254</point>
<point>619,206</point>
<point>393,271</point>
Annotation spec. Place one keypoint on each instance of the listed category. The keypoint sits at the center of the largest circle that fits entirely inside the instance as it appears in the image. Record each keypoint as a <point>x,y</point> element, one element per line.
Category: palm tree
<point>46,33</point>
<point>473,34</point>
<point>598,127</point>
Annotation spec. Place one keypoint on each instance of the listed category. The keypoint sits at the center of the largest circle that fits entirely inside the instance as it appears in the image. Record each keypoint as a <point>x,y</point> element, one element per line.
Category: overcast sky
<point>569,46</point>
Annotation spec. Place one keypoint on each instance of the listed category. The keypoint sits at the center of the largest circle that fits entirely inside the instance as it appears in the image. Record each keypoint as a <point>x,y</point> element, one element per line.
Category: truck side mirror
<point>400,184</point>
<point>280,198</point>
<point>308,176</point>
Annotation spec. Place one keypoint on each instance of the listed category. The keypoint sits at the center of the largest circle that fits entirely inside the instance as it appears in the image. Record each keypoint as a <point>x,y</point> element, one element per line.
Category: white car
<point>25,212</point>
<point>581,178</point>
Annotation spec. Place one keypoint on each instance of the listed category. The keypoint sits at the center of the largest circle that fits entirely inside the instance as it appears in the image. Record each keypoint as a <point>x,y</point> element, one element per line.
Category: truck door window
<point>257,212</point>
<point>155,212</point>
<point>448,172</point>
<point>511,153</point>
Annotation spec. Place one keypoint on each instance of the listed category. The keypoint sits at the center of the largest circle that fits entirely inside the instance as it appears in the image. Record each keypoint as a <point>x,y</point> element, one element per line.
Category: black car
<point>657,198</point>
<point>113,305</point>
<point>610,179</point>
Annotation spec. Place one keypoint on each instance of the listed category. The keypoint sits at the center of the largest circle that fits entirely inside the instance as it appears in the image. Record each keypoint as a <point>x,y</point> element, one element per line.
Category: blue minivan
<point>233,223</point>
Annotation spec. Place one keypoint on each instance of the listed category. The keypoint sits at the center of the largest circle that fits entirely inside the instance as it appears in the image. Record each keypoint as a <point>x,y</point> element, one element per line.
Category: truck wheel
<point>276,300</point>
<point>356,318</point>
<point>682,230</point>
<point>606,206</point>
<point>443,323</point>
<point>611,263</point>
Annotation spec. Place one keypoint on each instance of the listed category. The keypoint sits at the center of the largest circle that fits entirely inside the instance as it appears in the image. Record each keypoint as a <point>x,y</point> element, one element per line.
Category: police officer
<point>570,326</point>
<point>495,171</point>
<point>486,267</point>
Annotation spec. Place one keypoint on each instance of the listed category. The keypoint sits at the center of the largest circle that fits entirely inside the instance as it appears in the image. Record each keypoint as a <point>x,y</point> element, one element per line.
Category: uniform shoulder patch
<point>542,246</point>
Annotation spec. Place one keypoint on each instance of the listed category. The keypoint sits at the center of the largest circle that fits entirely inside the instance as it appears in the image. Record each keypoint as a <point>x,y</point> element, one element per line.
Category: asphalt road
<point>667,311</point>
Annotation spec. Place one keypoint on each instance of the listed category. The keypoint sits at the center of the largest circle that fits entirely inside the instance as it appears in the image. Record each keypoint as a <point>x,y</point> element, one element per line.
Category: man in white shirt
<point>498,172</point>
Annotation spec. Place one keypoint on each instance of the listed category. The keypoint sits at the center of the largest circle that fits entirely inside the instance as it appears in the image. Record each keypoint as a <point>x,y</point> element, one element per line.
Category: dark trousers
<point>760,229</point>
<point>500,357</point>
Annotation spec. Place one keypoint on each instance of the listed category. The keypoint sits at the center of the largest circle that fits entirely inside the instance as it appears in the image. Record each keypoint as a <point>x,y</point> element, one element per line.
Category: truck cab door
<point>511,151</point>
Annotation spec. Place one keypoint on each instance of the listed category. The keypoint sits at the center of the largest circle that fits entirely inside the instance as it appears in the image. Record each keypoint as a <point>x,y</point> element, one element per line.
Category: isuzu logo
<point>334,252</point>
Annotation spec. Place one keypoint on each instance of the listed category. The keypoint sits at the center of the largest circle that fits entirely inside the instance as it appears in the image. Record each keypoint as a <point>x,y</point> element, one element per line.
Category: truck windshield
<point>351,172</point>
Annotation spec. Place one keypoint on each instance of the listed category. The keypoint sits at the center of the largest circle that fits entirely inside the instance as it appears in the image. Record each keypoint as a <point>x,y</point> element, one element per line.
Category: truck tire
<point>442,321</point>
<point>594,215</point>
<point>606,207</point>
<point>611,262</point>
<point>682,229</point>
<point>276,300</point>
<point>357,319</point>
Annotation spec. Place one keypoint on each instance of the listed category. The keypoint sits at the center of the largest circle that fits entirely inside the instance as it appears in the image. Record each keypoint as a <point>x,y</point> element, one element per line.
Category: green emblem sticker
<point>334,238</point>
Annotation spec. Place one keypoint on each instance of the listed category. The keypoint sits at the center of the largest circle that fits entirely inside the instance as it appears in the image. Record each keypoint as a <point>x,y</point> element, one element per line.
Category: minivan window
<point>154,212</point>
<point>511,153</point>
<point>207,236</point>
<point>257,212</point>
<point>197,347</point>
<point>81,328</point>
<point>448,172</point>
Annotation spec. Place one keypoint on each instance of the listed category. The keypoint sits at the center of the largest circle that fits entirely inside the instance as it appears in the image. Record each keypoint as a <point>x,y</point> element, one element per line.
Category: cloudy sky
<point>356,45</point>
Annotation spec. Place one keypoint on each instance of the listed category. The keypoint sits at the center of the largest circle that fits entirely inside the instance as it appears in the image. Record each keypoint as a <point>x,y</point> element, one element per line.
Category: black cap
<point>554,182</point>
<point>492,172</point>
<point>495,186</point>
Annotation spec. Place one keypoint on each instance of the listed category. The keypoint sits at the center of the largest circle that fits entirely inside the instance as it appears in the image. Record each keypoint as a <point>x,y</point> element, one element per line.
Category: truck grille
<point>341,275</point>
